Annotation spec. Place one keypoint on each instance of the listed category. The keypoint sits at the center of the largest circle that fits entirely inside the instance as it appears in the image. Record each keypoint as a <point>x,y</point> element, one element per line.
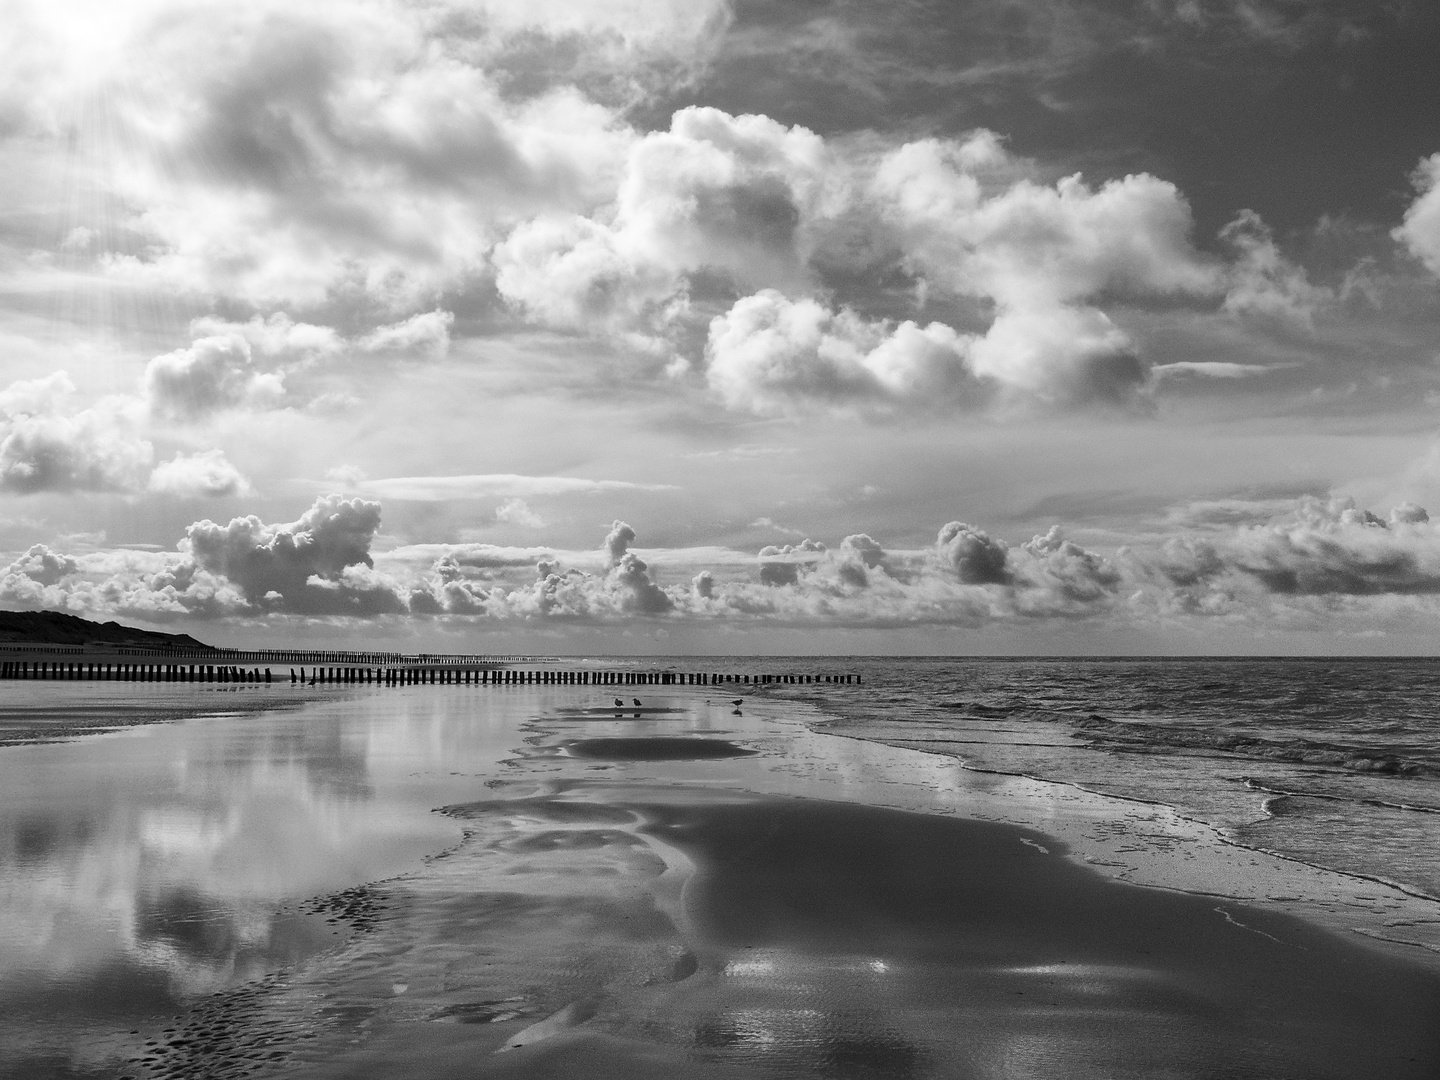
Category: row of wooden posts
<point>60,669</point>
<point>506,676</point>
<point>393,676</point>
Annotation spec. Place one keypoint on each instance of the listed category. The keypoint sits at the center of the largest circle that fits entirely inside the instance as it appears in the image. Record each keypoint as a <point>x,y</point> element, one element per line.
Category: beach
<point>529,882</point>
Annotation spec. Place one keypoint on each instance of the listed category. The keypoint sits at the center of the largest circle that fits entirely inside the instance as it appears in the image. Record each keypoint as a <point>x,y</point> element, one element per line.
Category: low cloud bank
<point>1306,555</point>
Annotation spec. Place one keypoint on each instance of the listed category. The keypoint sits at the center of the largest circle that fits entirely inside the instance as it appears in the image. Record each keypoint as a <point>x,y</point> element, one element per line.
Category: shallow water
<point>1334,761</point>
<point>288,869</point>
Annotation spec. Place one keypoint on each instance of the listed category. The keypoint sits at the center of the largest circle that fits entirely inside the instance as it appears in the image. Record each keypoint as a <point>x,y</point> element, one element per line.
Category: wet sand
<point>695,894</point>
<point>811,938</point>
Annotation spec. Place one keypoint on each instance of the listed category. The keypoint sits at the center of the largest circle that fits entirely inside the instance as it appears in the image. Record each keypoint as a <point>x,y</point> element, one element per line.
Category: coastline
<point>603,904</point>
<point>1155,800</point>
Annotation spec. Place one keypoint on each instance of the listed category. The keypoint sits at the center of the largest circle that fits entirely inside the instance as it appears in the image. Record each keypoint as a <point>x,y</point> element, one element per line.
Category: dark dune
<point>58,628</point>
<point>655,749</point>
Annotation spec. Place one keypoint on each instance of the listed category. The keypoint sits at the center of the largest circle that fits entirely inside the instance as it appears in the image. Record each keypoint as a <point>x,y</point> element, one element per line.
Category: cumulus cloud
<point>250,365</point>
<point>771,355</point>
<point>975,558</point>
<point>762,205</point>
<point>48,444</point>
<point>1040,253</point>
<point>213,373</point>
<point>576,274</point>
<point>34,580</point>
<point>1021,242</point>
<point>733,196</point>
<point>1318,549</point>
<point>43,566</point>
<point>1309,556</point>
<point>206,474</point>
<point>781,564</point>
<point>1060,354</point>
<point>1420,231</point>
<point>1062,570</point>
<point>317,564</point>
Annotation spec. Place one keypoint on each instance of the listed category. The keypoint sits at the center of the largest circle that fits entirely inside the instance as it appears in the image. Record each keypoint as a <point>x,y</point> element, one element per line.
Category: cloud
<point>575,274</point>
<point>1308,558</point>
<point>1060,354</point>
<point>973,556</point>
<point>1420,231</point>
<point>781,564</point>
<point>46,444</point>
<point>34,580</point>
<point>743,205</point>
<point>770,523</point>
<point>214,373</point>
<point>490,485</point>
<point>318,564</point>
<point>43,566</point>
<point>1212,369</point>
<point>426,334</point>
<point>975,228</point>
<point>772,355</point>
<point>49,444</point>
<point>516,512</point>
<point>731,196</point>
<point>245,366</point>
<point>1319,549</point>
<point>1263,282</point>
<point>625,587</point>
<point>276,335</point>
<point>972,224</point>
<point>639,27</point>
<point>333,152</point>
<point>206,474</point>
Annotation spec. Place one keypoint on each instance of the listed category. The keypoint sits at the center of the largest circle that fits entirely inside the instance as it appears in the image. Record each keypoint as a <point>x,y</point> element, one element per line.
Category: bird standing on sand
<point>619,703</point>
<point>637,702</point>
<point>738,702</point>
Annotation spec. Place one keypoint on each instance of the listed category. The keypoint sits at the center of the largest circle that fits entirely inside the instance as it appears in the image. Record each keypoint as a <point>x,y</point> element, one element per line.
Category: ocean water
<point>1334,762</point>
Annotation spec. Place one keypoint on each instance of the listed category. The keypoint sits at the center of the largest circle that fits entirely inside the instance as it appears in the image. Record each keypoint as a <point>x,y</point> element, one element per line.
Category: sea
<point>1334,762</point>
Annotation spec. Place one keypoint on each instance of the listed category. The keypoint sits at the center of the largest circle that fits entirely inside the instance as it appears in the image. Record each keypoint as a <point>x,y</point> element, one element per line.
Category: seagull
<point>637,702</point>
<point>738,702</point>
<point>619,702</point>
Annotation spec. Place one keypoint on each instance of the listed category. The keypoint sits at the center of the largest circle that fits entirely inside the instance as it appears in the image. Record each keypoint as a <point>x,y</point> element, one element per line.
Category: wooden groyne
<point>433,671</point>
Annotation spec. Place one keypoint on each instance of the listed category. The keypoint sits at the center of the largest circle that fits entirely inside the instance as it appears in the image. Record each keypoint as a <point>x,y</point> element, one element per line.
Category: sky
<point>725,326</point>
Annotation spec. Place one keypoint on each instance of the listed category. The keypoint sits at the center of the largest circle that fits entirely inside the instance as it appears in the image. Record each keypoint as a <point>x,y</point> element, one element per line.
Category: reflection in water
<point>144,867</point>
